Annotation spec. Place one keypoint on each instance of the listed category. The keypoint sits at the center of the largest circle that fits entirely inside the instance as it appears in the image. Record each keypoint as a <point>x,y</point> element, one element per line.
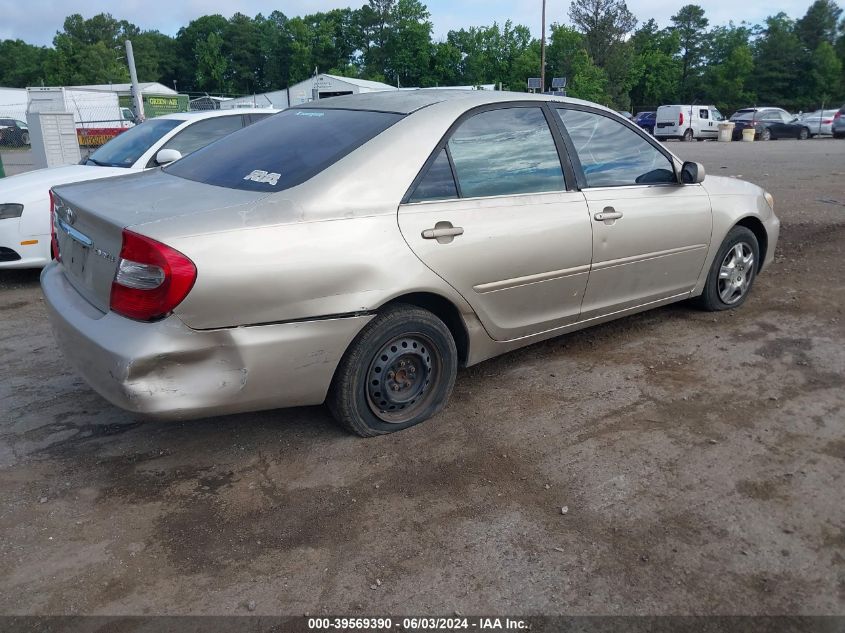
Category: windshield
<point>283,150</point>
<point>124,150</point>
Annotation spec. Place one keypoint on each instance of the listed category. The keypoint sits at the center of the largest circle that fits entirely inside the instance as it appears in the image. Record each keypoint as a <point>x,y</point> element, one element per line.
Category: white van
<point>687,122</point>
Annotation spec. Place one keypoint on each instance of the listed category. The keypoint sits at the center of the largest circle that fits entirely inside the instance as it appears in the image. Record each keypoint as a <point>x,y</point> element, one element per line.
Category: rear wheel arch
<point>756,226</point>
<point>444,310</point>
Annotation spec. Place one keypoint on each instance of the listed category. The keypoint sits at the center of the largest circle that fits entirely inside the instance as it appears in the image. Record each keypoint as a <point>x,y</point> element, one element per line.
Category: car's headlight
<point>770,200</point>
<point>9,210</point>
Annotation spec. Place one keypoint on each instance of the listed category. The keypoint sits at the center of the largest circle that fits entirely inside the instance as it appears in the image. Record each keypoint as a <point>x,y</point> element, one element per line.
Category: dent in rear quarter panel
<point>300,271</point>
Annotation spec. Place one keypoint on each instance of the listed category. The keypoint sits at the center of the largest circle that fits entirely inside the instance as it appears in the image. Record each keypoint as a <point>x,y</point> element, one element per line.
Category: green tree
<point>156,57</point>
<point>730,68</point>
<point>824,80</point>
<point>195,40</point>
<point>567,56</point>
<point>819,24</point>
<point>495,54</point>
<point>23,64</point>
<point>690,24</point>
<point>407,48</point>
<point>658,66</point>
<point>777,62</point>
<point>604,23</point>
<point>91,51</point>
<point>211,64</point>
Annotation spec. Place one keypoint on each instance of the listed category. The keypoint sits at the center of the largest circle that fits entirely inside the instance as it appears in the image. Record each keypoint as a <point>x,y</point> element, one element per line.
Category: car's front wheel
<point>804,134</point>
<point>733,271</point>
<point>398,372</point>
<point>25,138</point>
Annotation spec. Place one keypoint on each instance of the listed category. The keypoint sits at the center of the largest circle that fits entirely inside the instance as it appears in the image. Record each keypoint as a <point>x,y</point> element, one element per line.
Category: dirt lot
<point>700,456</point>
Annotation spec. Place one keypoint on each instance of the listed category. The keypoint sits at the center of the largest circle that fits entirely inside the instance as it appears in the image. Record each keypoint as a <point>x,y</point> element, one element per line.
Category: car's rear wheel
<point>25,138</point>
<point>766,134</point>
<point>733,271</point>
<point>688,136</point>
<point>804,134</point>
<point>398,372</point>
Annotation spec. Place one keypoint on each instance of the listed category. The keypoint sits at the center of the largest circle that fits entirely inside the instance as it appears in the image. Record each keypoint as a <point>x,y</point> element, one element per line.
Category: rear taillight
<point>54,239</point>
<point>837,116</point>
<point>680,118</point>
<point>827,121</point>
<point>151,278</point>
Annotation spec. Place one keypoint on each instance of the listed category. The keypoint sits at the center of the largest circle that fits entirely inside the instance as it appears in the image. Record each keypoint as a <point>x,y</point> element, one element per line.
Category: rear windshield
<point>283,150</point>
<point>125,149</point>
<point>743,115</point>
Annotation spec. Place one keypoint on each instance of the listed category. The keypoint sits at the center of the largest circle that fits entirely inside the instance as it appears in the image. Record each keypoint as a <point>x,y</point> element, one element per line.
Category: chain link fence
<point>95,125</point>
<point>14,139</point>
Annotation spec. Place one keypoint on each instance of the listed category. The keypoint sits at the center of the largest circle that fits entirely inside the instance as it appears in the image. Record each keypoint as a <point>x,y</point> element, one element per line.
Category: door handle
<point>608,213</point>
<point>443,232</point>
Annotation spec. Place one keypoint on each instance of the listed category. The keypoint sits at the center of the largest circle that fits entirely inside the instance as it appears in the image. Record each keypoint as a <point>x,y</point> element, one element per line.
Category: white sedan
<point>25,198</point>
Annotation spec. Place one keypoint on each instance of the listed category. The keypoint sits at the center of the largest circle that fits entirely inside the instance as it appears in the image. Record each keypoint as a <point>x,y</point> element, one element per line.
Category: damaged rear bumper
<point>166,370</point>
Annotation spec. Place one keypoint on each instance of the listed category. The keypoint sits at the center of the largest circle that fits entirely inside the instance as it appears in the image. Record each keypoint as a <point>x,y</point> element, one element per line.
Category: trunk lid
<point>90,218</point>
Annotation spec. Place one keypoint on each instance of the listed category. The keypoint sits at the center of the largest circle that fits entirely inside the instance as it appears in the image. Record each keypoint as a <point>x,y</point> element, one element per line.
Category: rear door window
<point>283,150</point>
<point>508,151</point>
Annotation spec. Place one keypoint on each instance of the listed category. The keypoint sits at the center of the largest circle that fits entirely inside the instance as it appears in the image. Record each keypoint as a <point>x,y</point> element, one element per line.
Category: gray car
<point>838,126</point>
<point>358,250</point>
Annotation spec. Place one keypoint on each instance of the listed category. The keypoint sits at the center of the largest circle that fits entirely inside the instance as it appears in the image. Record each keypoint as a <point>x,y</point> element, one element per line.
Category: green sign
<point>156,105</point>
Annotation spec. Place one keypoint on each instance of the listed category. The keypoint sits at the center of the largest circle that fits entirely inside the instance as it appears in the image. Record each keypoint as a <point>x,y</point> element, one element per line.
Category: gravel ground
<point>700,458</point>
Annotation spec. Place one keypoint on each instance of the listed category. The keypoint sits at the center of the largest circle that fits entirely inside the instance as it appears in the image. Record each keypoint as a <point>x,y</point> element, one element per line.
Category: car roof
<point>409,101</point>
<point>210,114</point>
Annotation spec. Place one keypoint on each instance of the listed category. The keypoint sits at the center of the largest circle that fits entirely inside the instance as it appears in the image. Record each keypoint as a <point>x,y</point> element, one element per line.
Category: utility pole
<point>137,100</point>
<point>543,52</point>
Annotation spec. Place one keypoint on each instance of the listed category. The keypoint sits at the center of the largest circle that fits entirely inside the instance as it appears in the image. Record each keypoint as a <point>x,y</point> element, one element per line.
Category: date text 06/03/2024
<point>419,624</point>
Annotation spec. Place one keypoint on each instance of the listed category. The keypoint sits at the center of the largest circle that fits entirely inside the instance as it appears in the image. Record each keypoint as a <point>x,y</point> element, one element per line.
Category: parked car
<point>25,199</point>
<point>769,123</point>
<point>819,122</point>
<point>625,114</point>
<point>646,120</point>
<point>13,133</point>
<point>838,126</point>
<point>687,122</point>
<point>357,250</point>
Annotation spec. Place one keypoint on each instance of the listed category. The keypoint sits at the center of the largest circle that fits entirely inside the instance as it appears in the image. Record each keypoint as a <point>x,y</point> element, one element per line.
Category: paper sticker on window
<point>259,175</point>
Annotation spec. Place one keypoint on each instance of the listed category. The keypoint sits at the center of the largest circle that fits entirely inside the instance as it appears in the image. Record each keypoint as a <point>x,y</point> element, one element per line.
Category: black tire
<point>381,357</point>
<point>25,138</point>
<point>766,134</point>
<point>711,298</point>
<point>688,136</point>
<point>803,134</point>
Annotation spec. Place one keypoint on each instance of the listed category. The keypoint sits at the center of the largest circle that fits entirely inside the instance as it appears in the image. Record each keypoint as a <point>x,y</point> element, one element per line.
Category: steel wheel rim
<point>736,273</point>
<point>401,377</point>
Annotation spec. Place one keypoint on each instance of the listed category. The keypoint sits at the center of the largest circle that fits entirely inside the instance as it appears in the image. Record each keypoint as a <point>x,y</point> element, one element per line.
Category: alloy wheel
<point>736,273</point>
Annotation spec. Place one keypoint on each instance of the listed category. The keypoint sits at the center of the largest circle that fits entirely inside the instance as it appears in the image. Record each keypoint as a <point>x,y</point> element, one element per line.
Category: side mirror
<point>167,156</point>
<point>692,173</point>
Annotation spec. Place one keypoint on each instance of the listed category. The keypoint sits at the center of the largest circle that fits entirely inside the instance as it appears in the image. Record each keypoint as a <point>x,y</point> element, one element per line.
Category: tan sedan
<point>358,250</point>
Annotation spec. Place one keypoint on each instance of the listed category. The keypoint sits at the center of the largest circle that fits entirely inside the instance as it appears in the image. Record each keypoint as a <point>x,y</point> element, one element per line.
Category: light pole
<point>543,52</point>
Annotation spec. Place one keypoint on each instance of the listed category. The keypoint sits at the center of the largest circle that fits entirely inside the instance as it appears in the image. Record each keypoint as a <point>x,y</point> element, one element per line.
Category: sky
<point>36,21</point>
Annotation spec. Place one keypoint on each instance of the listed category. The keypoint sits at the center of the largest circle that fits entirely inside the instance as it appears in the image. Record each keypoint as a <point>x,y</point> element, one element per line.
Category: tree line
<point>605,52</point>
